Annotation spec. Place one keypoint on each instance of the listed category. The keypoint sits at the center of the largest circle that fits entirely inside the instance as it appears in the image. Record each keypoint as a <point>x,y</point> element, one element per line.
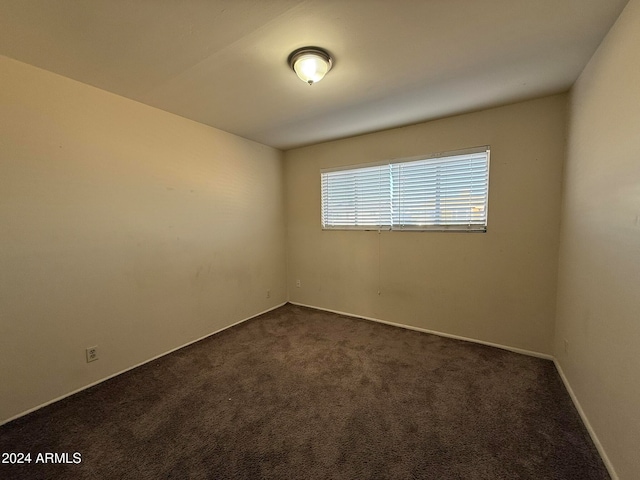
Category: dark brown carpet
<point>299,393</point>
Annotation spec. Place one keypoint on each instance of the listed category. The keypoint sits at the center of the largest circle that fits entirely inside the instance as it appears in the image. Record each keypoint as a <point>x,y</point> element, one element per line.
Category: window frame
<point>467,228</point>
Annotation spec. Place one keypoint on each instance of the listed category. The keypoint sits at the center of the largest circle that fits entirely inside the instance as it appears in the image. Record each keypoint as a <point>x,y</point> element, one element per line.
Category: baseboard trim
<point>574,399</point>
<point>585,420</point>
<point>93,384</point>
<point>433,332</point>
<point>583,416</point>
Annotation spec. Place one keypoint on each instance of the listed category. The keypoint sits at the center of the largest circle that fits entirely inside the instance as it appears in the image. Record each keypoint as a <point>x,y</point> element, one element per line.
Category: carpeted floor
<point>303,394</point>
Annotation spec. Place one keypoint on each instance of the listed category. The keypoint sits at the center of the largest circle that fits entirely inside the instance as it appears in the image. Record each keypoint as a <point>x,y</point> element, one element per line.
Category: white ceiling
<point>397,62</point>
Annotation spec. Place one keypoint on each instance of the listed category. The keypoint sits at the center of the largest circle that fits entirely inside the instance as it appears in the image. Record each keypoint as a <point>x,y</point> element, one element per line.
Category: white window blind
<point>445,192</point>
<point>442,193</point>
<point>356,198</point>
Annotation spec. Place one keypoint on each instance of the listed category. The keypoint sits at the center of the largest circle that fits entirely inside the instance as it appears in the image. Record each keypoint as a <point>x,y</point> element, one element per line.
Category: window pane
<point>446,192</point>
<point>356,198</point>
<point>443,193</point>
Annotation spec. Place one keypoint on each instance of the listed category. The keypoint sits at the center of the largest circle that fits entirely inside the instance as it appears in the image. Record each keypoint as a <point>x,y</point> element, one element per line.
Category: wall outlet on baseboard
<point>298,283</point>
<point>92,354</point>
<point>566,346</point>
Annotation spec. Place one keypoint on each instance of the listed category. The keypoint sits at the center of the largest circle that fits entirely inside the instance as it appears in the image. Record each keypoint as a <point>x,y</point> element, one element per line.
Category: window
<point>440,192</point>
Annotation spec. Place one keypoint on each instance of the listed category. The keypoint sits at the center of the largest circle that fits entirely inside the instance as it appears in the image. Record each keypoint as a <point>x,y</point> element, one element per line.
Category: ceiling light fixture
<point>311,64</point>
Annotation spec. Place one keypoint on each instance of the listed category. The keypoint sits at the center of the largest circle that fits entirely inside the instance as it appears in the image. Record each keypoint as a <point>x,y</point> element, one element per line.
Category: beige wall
<point>496,287</point>
<point>599,272</point>
<point>125,227</point>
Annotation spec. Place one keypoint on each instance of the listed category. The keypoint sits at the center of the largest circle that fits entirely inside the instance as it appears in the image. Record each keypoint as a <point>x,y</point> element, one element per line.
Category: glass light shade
<point>310,64</point>
<point>311,68</point>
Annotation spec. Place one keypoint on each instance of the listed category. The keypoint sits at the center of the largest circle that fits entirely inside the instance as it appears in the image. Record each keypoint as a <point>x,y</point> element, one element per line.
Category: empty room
<point>316,239</point>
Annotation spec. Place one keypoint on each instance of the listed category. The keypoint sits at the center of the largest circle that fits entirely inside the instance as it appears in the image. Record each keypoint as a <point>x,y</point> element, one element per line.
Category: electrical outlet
<point>268,293</point>
<point>298,283</point>
<point>566,346</point>
<point>92,354</point>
